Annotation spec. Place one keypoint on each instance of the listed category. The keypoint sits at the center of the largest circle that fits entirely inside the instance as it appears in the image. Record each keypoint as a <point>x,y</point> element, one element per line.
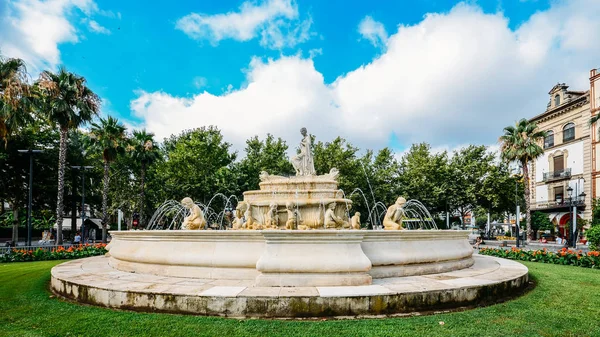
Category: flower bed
<point>56,253</point>
<point>564,256</point>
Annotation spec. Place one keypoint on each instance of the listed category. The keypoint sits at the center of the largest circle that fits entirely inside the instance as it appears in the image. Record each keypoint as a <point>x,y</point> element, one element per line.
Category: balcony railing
<point>566,203</point>
<point>557,175</point>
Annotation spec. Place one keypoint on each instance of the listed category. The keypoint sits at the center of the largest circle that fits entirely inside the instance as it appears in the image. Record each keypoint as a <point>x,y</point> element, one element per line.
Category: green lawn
<point>566,302</point>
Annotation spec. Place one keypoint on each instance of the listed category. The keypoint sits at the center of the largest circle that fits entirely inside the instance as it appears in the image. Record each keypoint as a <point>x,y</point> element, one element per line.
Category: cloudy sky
<point>379,73</point>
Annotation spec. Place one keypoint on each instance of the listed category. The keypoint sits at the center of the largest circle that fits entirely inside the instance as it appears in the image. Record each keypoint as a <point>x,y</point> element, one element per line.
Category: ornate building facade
<point>562,177</point>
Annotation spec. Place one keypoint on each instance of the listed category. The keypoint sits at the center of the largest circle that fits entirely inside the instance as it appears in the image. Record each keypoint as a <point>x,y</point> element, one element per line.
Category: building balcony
<point>558,204</point>
<point>557,175</point>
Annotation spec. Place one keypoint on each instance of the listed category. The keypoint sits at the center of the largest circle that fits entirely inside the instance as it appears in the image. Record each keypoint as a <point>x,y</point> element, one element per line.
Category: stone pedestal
<point>313,258</point>
<point>310,195</point>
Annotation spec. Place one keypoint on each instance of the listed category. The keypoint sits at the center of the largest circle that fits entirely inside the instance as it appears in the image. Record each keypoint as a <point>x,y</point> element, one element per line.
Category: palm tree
<point>522,143</point>
<point>14,112</point>
<point>66,101</point>
<point>14,97</point>
<point>144,151</point>
<point>108,137</point>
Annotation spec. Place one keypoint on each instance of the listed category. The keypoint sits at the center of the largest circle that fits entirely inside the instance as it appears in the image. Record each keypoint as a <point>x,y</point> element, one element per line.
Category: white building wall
<point>574,160</point>
<point>541,193</point>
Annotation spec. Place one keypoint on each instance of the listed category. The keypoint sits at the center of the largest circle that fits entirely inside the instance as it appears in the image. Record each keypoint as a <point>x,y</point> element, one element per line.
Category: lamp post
<point>82,168</point>
<point>573,204</point>
<point>31,153</point>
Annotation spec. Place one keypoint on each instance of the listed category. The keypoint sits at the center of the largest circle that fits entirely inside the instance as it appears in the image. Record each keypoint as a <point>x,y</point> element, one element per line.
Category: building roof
<point>582,96</point>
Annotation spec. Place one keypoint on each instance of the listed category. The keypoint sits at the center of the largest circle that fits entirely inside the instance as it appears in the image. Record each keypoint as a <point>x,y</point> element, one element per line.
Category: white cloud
<point>200,82</point>
<point>33,29</point>
<point>315,52</point>
<point>454,78</point>
<point>374,31</point>
<point>275,21</point>
<point>97,28</point>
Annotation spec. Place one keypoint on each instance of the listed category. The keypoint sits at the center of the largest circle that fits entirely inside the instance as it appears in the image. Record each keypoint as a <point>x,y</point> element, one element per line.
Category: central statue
<point>303,163</point>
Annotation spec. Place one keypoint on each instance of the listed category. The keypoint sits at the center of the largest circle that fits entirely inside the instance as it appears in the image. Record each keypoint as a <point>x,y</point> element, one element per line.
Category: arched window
<point>549,140</point>
<point>557,100</point>
<point>569,132</point>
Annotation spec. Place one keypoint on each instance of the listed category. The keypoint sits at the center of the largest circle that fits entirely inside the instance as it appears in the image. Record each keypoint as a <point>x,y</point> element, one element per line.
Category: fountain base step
<point>304,279</point>
<point>93,281</point>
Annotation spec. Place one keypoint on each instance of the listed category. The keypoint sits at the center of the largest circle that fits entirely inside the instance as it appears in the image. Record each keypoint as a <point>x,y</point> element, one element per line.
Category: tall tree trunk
<point>15,229</point>
<point>527,201</point>
<point>142,194</point>
<point>62,156</point>
<point>105,182</point>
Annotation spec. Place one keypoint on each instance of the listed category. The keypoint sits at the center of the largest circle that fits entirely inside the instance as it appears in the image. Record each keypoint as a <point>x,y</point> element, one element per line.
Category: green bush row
<point>564,256</point>
<point>56,253</point>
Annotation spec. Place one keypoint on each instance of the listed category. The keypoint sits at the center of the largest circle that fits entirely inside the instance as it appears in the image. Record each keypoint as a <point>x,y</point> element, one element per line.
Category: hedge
<point>564,256</point>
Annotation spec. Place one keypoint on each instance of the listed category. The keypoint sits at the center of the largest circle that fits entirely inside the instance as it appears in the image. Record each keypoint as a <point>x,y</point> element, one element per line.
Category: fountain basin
<point>291,258</point>
<point>313,258</point>
<point>229,255</point>
<point>416,252</point>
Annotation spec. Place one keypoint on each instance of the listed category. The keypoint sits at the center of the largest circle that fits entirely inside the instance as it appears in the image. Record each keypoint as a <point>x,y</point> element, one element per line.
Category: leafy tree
<point>469,169</point>
<point>425,176</point>
<point>198,164</point>
<point>14,170</point>
<point>540,222</point>
<point>107,137</point>
<point>521,143</point>
<point>268,155</point>
<point>14,97</point>
<point>66,101</point>
<point>144,151</point>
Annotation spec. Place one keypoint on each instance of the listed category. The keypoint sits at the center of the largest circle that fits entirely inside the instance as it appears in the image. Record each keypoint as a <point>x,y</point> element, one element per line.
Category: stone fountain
<point>290,251</point>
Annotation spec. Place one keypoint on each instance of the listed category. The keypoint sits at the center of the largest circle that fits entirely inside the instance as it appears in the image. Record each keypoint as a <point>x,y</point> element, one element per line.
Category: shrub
<point>56,253</point>
<point>564,256</point>
<point>593,236</point>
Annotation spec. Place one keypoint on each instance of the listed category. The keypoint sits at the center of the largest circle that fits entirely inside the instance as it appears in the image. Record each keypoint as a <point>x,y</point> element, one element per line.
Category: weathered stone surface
<point>94,281</point>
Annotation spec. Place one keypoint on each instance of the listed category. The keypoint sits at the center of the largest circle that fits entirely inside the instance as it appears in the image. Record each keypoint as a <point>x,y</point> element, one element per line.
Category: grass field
<point>566,302</point>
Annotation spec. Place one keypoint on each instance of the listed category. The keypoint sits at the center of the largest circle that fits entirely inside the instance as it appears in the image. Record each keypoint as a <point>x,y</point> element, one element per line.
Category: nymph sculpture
<point>196,218</point>
<point>293,220</point>
<point>272,218</point>
<point>394,215</point>
<point>332,220</point>
<point>356,221</point>
<point>303,163</point>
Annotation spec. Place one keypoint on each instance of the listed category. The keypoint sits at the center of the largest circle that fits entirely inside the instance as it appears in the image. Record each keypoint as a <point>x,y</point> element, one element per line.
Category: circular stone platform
<point>94,281</point>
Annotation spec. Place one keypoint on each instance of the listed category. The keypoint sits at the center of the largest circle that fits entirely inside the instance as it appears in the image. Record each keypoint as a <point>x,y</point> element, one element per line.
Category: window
<point>557,100</point>
<point>569,132</point>
<point>559,165</point>
<point>549,140</point>
<point>558,194</point>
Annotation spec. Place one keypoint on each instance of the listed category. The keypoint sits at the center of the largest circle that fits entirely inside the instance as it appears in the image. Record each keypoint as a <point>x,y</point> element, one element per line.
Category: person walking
<point>77,239</point>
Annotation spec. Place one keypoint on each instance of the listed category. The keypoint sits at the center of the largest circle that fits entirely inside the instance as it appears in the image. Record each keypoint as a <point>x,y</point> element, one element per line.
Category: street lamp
<point>82,168</point>
<point>573,203</point>
<point>31,153</point>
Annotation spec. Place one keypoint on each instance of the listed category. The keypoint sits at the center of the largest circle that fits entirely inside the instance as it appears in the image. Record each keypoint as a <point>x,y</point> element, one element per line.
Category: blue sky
<point>338,67</point>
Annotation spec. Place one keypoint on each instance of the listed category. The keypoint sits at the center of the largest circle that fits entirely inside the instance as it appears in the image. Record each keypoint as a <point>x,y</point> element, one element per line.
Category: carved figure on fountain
<point>303,163</point>
<point>196,218</point>
<point>355,221</point>
<point>332,220</point>
<point>272,218</point>
<point>294,220</point>
<point>250,221</point>
<point>394,215</point>
<point>238,221</point>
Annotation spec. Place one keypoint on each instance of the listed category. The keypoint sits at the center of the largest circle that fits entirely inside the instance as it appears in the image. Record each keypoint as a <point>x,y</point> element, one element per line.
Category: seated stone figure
<point>394,215</point>
<point>293,220</point>
<point>251,222</point>
<point>196,218</point>
<point>238,221</point>
<point>332,220</point>
<point>272,218</point>
<point>356,221</point>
